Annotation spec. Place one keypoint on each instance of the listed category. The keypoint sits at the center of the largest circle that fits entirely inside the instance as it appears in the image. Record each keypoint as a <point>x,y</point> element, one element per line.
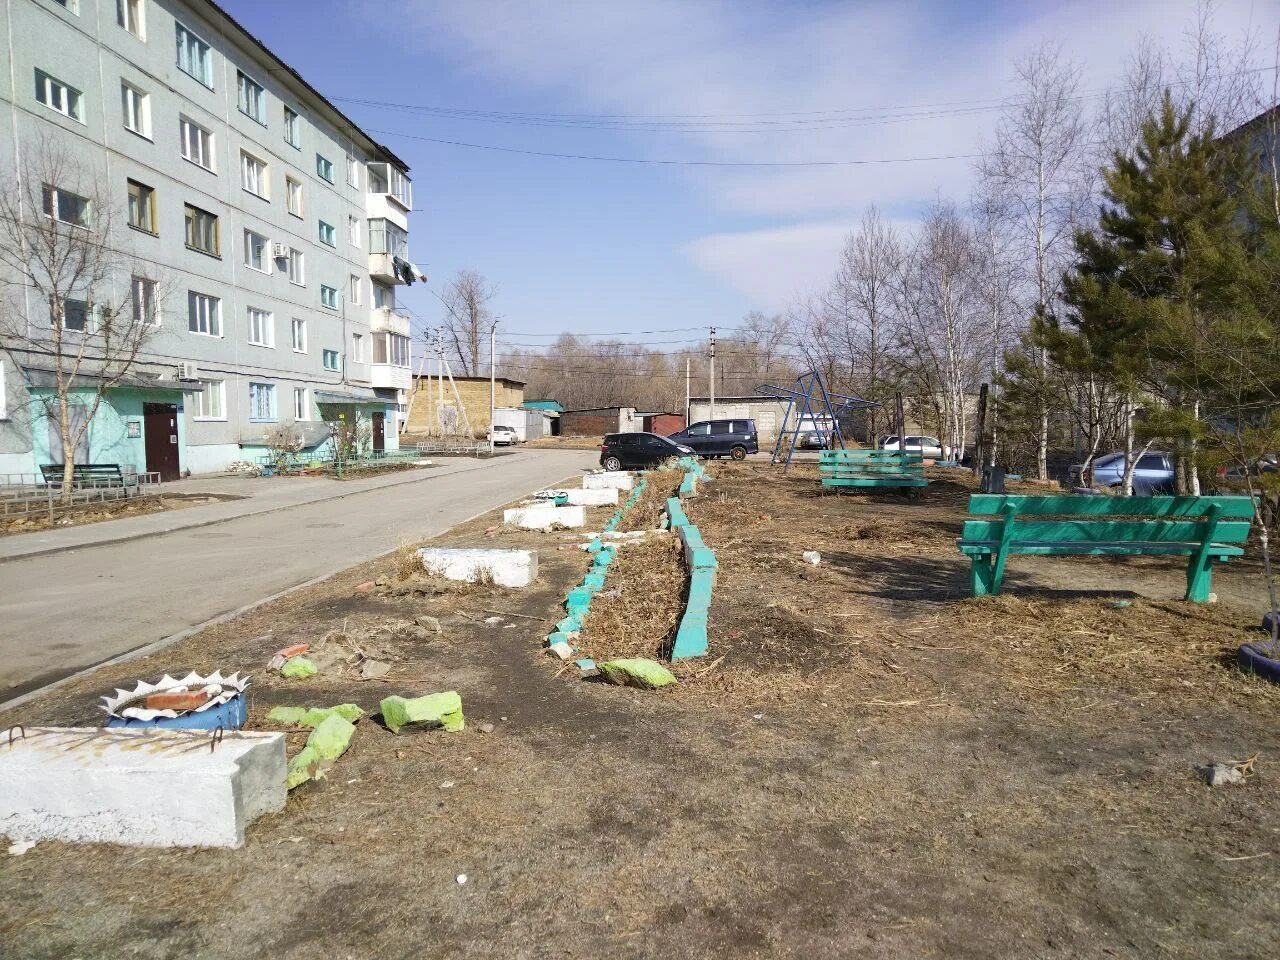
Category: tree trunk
<point>68,446</point>
<point>1128,446</point>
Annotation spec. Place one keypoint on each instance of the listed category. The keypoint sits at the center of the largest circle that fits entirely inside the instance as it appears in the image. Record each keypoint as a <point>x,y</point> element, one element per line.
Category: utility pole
<point>493,380</point>
<point>687,398</point>
<point>711,411</point>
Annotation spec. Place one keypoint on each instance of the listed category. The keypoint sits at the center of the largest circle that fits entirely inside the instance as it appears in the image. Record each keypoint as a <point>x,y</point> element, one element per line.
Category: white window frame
<point>52,198</point>
<point>353,231</point>
<point>298,334</point>
<point>323,163</point>
<point>216,391</point>
<point>85,312</point>
<point>251,98</point>
<point>353,171</point>
<point>132,16</point>
<point>357,348</point>
<point>289,196</point>
<point>297,267</point>
<point>255,175</point>
<point>269,391</point>
<point>292,127</point>
<point>71,6</point>
<point>354,290</point>
<point>301,404</point>
<point>203,50</point>
<point>204,155</point>
<point>337,359</point>
<point>208,312</point>
<point>217,231</point>
<point>59,96</point>
<point>327,234</point>
<point>265,321</point>
<point>325,289</point>
<point>253,240</point>
<point>135,103</point>
<point>384,297</point>
<point>146,309</point>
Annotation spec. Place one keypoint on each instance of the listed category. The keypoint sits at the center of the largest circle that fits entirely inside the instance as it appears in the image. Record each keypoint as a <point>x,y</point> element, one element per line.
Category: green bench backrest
<point>1109,519</point>
<point>871,466</point>
<point>859,457</point>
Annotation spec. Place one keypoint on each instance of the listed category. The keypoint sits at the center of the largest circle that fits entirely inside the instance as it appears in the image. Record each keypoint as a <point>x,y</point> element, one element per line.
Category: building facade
<point>277,229</point>
<point>435,404</point>
<point>598,421</point>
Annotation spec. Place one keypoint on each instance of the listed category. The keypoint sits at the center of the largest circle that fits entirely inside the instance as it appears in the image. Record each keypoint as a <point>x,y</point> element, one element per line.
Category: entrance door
<point>160,439</point>
<point>379,431</point>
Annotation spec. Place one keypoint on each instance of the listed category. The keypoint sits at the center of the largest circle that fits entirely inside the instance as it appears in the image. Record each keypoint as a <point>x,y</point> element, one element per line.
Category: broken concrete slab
<point>637,672</point>
<point>435,709</point>
<point>560,649</point>
<point>542,516</point>
<point>312,716</point>
<point>328,741</point>
<point>609,480</point>
<point>139,786</point>
<point>507,568</point>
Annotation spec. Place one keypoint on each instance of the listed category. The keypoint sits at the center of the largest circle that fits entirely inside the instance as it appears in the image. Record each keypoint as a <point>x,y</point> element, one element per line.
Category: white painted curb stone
<point>610,480</point>
<point>509,568</point>
<point>142,787</point>
<point>543,515</point>
<point>607,497</point>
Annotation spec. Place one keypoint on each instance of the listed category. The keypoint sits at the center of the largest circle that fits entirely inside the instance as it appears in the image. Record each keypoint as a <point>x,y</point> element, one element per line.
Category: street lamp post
<point>493,381</point>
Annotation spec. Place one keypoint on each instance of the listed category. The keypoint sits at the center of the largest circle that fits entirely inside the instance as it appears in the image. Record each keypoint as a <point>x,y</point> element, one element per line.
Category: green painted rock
<point>298,668</point>
<point>328,741</point>
<point>637,672</point>
<point>312,716</point>
<point>436,709</point>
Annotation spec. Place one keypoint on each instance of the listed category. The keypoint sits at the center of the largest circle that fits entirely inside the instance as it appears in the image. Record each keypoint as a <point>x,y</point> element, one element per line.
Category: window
<point>197,143</point>
<point>262,401</point>
<point>137,109</point>
<point>252,98</point>
<point>142,207</point>
<point>131,15</point>
<point>324,168</point>
<point>73,6</point>
<point>388,179</point>
<point>255,252</point>
<point>56,95</point>
<point>75,314</point>
<point>66,206</point>
<point>194,56</point>
<point>299,328</point>
<point>329,297</point>
<point>297,268</point>
<point>145,309</point>
<point>292,127</point>
<point>353,231</point>
<point>384,297</point>
<point>293,196</point>
<point>353,171</point>
<point>204,314</point>
<point>328,235</point>
<point>1151,461</point>
<point>301,404</point>
<point>202,231</point>
<point>253,174</point>
<point>208,404</point>
<point>261,327</point>
<point>330,359</point>
<point>354,293</point>
<point>391,348</point>
<point>387,237</point>
<point>357,348</point>
<point>700,430</point>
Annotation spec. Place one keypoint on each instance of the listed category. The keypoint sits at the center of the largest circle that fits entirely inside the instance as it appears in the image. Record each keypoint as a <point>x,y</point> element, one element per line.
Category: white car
<point>503,436</point>
<point>930,448</point>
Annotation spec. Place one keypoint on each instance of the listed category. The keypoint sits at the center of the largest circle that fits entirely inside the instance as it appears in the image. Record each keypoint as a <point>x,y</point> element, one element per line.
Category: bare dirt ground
<point>867,764</point>
<point>97,512</point>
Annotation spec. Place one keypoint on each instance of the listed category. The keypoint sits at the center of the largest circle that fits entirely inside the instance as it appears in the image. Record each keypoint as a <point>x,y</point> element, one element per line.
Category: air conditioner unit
<point>188,371</point>
<point>280,251</point>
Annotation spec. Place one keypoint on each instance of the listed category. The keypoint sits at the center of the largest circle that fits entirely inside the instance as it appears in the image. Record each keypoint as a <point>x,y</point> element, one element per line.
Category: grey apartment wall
<point>92,53</point>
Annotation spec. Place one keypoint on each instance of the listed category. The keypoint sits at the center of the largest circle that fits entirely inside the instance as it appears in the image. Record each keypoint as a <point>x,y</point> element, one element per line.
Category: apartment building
<point>279,230</point>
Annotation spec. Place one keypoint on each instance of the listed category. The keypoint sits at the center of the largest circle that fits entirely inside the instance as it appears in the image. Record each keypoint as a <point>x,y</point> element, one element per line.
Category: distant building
<point>434,404</point>
<point>765,411</point>
<point>598,421</point>
<point>662,423</point>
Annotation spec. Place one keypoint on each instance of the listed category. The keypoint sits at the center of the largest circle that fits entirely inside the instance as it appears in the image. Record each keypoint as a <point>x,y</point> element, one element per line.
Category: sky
<point>596,247</point>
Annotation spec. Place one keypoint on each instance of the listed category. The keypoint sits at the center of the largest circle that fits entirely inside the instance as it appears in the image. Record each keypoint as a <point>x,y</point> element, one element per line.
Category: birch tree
<point>467,318</point>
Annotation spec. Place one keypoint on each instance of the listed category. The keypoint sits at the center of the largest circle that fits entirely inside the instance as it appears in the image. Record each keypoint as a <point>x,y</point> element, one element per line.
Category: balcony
<point>389,320</point>
<point>389,376</point>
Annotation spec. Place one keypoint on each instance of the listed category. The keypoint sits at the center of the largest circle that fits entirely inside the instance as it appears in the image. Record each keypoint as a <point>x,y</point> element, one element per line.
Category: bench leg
<point>1199,579</point>
<point>982,574</point>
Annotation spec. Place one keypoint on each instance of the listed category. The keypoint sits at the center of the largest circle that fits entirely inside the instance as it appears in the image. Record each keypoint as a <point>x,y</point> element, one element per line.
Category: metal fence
<point>27,494</point>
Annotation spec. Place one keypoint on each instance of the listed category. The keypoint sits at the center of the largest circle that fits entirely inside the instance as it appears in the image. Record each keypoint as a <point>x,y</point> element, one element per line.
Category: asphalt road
<point>63,612</point>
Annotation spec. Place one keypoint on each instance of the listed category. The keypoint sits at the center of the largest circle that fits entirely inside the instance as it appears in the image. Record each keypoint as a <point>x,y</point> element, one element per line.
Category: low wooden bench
<point>1205,529</point>
<point>871,468</point>
<point>91,475</point>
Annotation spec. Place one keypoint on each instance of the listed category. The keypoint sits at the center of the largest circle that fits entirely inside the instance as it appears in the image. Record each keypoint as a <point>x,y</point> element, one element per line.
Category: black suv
<point>720,438</point>
<point>622,450</point>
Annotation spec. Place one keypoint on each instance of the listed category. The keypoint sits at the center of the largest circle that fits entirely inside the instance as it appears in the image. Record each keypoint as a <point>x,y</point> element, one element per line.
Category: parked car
<point>720,438</point>
<point>504,436</point>
<point>620,451</point>
<point>928,447</point>
<point>815,434</point>
<point>1153,474</point>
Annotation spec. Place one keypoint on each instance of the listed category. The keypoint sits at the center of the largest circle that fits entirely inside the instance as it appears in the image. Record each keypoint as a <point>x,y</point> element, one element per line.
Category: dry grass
<point>638,612</point>
<point>659,486</point>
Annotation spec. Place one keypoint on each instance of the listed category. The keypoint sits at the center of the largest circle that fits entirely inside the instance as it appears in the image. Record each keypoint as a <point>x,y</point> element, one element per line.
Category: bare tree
<point>78,310</point>
<point>1037,168</point>
<point>467,318</point>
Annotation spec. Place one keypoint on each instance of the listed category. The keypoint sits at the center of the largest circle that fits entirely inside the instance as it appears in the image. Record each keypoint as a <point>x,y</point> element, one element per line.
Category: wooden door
<point>160,439</point>
<point>379,431</point>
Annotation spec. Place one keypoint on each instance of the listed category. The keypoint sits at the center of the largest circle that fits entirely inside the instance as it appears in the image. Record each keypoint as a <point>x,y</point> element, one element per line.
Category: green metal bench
<point>871,468</point>
<point>1205,529</point>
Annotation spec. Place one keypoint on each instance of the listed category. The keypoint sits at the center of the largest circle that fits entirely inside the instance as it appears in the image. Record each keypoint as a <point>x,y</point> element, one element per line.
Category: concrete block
<point>697,555</point>
<point>593,581</point>
<point>691,636</point>
<point>142,787</point>
<point>610,480</point>
<point>608,497</point>
<point>508,568</point>
<point>676,514</point>
<point>540,516</point>
<point>688,486</point>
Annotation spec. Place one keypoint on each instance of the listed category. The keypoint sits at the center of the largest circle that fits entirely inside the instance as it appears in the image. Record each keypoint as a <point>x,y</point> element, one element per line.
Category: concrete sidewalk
<point>257,495</point>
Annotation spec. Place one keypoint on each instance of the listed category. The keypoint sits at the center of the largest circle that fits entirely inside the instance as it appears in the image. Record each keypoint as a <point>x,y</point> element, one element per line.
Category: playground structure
<point>811,408</point>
